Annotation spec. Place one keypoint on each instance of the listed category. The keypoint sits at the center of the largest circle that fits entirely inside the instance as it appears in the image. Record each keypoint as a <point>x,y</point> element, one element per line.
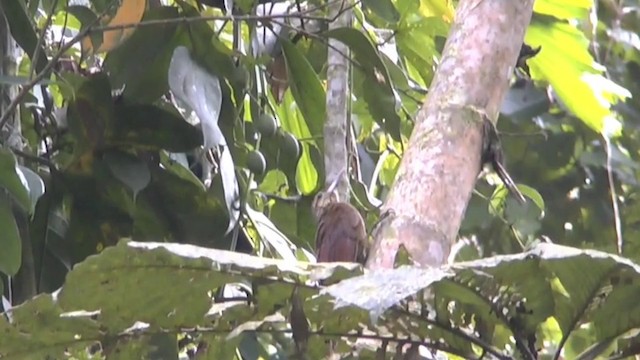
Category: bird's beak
<point>335,182</point>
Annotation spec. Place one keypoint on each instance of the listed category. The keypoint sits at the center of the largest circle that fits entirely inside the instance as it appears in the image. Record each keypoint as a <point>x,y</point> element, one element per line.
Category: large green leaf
<point>305,88</point>
<point>13,181</point>
<point>140,64</point>
<point>382,8</point>
<point>563,9</point>
<point>151,127</point>
<point>10,244</point>
<point>22,30</point>
<point>515,293</point>
<point>306,172</point>
<point>91,113</point>
<point>566,64</point>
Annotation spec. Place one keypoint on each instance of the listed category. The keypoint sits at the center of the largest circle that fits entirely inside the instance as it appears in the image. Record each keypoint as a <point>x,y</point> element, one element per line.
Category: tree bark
<point>437,175</point>
<point>335,127</point>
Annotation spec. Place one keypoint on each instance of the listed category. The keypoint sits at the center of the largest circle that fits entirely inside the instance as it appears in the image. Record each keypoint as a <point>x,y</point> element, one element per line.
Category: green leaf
<point>35,339</point>
<point>305,88</point>
<point>11,253</point>
<point>362,195</point>
<point>151,127</point>
<point>12,179</point>
<point>271,234</point>
<point>306,174</point>
<point>133,172</point>
<point>141,62</point>
<point>22,30</point>
<point>532,194</point>
<point>565,62</point>
<point>563,9</point>
<point>382,8</point>
<point>86,17</point>
<point>91,113</point>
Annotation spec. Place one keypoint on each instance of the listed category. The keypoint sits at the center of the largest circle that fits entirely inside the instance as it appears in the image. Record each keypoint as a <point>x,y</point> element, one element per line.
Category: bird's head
<point>325,198</point>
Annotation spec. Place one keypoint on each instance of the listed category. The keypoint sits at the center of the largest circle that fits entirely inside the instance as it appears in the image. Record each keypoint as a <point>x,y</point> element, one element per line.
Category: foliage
<point>146,283</point>
<point>108,155</point>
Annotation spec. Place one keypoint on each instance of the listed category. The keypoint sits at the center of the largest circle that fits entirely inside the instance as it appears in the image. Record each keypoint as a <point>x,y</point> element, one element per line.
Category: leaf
<point>141,62</point>
<point>133,172</point>
<point>570,69</point>
<point>151,127</point>
<point>382,8</point>
<point>363,197</point>
<point>200,91</point>
<point>563,9</point>
<point>230,187</point>
<point>22,30</point>
<point>306,173</point>
<point>34,184</point>
<point>367,291</point>
<point>129,12</point>
<point>91,113</point>
<point>12,179</point>
<point>87,18</point>
<point>509,297</point>
<point>306,89</point>
<point>524,102</point>
<point>10,243</point>
<point>206,47</point>
<point>42,342</point>
<point>532,194</point>
<point>271,235</point>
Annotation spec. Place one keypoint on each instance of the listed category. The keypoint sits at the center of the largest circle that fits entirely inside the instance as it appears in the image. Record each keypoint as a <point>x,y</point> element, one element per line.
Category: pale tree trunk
<point>438,172</point>
<point>336,123</point>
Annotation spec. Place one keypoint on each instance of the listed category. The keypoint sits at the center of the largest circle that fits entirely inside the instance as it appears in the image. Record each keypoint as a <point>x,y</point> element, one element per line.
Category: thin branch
<point>614,198</point>
<point>34,158</point>
<point>36,52</point>
<point>41,75</point>
<point>187,20</point>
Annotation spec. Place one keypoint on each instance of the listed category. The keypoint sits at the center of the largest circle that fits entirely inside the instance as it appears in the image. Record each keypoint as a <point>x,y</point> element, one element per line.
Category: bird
<point>341,235</point>
<point>493,155</point>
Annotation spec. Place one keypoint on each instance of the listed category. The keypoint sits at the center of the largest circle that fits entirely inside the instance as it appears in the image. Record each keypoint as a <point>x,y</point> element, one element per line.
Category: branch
<point>337,124</point>
<point>438,172</point>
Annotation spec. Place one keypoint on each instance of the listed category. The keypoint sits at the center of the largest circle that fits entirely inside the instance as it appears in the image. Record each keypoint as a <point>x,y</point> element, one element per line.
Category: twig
<point>614,198</point>
<point>34,158</point>
<point>25,89</point>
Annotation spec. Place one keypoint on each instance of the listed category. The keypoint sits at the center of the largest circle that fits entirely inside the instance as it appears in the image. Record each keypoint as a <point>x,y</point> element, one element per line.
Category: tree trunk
<point>425,206</point>
<point>336,124</point>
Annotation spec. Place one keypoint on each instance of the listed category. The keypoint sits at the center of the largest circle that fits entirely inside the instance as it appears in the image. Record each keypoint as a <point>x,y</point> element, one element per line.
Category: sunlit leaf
<point>566,64</point>
<point>563,9</point>
<point>305,88</point>
<point>129,12</point>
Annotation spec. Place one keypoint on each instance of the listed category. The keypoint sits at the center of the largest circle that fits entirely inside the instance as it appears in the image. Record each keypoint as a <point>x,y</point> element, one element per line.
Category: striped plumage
<point>341,234</point>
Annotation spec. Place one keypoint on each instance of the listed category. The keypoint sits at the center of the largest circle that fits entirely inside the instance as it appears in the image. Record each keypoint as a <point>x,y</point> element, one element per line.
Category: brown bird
<point>341,234</point>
